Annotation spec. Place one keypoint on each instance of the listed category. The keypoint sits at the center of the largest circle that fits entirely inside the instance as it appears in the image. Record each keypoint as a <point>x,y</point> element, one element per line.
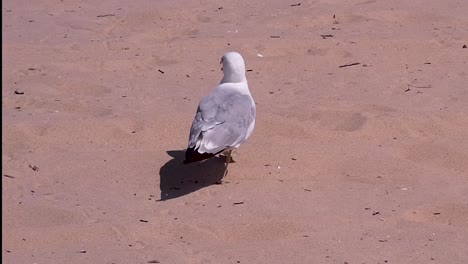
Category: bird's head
<point>233,67</point>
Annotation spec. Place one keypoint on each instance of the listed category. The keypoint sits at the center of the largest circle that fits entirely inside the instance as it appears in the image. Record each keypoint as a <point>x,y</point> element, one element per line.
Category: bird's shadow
<point>178,179</point>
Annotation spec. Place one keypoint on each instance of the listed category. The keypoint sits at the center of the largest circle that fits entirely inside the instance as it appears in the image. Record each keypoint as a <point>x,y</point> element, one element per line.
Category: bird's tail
<point>192,155</point>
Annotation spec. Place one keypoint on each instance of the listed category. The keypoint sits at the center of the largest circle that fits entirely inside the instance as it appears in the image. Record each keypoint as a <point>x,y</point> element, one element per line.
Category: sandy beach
<point>359,153</point>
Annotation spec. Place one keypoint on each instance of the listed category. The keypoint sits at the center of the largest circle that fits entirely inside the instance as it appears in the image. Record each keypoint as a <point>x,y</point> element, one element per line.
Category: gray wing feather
<point>221,121</point>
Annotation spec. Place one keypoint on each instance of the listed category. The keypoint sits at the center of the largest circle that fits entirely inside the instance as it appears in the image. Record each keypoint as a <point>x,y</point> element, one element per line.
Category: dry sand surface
<point>360,164</point>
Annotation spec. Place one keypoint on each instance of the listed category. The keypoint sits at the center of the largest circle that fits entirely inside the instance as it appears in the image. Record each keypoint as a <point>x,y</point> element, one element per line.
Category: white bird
<point>225,118</point>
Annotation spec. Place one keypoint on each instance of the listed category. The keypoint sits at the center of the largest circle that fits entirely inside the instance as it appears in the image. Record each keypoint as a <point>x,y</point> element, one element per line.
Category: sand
<point>360,164</point>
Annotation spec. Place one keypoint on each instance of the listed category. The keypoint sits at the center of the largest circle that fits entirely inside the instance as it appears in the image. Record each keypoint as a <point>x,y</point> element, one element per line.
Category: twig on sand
<point>106,15</point>
<point>350,64</point>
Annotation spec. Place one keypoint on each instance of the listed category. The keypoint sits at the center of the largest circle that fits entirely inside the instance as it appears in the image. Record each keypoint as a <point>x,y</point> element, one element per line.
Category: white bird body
<point>225,118</point>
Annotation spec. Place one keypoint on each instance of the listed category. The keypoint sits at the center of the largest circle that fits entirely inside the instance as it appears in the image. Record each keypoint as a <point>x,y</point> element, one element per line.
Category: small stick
<point>351,64</point>
<point>106,15</point>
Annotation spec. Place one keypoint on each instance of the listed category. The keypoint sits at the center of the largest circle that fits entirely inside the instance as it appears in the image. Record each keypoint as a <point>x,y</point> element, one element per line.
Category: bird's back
<point>224,119</point>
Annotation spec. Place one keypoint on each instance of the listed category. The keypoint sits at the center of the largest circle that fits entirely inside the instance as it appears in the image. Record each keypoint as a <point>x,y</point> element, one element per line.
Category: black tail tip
<point>192,155</point>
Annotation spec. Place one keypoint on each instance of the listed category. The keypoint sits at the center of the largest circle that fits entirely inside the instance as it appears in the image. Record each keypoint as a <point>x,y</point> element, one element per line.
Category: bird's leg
<point>227,153</point>
<point>231,160</point>
<point>228,160</point>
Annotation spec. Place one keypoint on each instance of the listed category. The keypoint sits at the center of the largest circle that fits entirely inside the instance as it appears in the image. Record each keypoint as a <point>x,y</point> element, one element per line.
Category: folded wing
<point>222,121</point>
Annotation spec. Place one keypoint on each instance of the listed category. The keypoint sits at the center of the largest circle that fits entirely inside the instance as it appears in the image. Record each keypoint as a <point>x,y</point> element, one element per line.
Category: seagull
<point>225,118</point>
